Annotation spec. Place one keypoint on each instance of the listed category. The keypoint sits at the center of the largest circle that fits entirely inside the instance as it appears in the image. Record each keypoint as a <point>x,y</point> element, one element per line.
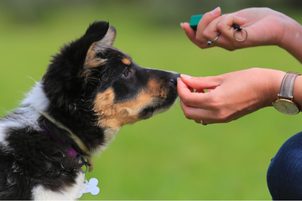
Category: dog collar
<point>85,160</point>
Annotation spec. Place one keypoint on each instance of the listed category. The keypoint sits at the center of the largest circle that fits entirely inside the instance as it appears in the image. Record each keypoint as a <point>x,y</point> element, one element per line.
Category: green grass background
<point>168,156</point>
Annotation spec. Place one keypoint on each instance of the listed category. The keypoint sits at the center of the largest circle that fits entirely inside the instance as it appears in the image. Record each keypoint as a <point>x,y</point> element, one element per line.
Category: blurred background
<point>168,156</point>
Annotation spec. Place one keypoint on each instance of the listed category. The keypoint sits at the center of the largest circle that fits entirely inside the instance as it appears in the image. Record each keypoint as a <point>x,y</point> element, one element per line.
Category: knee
<point>284,176</point>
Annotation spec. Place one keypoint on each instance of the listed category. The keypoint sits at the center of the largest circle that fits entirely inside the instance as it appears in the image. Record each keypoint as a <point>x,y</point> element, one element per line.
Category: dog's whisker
<point>32,79</point>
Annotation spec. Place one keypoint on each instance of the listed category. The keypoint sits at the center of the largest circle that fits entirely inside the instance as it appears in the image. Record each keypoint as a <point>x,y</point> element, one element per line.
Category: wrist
<point>267,84</point>
<point>281,25</point>
<point>273,79</point>
<point>286,102</point>
<point>290,34</point>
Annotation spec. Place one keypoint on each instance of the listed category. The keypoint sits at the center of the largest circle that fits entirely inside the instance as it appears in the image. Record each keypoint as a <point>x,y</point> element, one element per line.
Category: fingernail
<point>185,76</point>
<point>215,11</point>
<point>181,25</point>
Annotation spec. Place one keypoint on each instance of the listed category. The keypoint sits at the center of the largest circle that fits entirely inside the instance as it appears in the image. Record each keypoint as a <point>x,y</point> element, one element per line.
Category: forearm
<point>292,39</point>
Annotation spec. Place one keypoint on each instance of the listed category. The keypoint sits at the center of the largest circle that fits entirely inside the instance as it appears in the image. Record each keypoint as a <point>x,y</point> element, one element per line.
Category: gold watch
<point>284,102</point>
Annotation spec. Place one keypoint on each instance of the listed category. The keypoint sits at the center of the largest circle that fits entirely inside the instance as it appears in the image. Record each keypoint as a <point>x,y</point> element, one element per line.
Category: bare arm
<point>264,26</point>
<point>292,39</point>
<point>231,95</point>
<point>235,94</point>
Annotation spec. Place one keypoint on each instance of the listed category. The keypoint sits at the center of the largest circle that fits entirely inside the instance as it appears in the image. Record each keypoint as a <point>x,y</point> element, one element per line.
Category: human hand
<point>228,96</point>
<point>263,25</point>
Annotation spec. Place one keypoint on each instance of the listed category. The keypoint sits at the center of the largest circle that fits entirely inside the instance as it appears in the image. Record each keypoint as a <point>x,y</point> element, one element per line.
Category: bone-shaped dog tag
<point>90,186</point>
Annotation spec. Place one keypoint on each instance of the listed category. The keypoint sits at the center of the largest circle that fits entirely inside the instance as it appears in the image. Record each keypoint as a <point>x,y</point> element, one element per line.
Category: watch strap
<point>287,86</point>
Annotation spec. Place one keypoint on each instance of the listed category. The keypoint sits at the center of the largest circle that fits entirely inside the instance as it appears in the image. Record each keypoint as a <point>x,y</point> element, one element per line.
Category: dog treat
<point>194,20</point>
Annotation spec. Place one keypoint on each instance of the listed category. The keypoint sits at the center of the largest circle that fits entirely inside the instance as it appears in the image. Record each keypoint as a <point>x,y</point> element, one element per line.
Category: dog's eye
<point>127,73</point>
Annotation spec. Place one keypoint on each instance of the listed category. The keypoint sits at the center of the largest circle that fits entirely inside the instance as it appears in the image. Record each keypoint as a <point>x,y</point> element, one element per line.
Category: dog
<point>89,91</point>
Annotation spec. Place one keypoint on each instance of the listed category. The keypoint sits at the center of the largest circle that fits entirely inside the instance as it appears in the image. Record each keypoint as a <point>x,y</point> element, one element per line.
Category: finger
<point>224,26</point>
<point>188,31</point>
<point>211,32</point>
<point>200,83</point>
<point>198,114</point>
<point>191,35</point>
<point>206,19</point>
<point>192,99</point>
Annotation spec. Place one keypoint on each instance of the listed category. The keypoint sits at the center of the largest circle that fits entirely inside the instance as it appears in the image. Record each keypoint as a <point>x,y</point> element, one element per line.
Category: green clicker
<point>194,20</point>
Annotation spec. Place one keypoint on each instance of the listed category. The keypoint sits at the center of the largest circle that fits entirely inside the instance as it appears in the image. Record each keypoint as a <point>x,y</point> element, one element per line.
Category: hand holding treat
<point>232,95</point>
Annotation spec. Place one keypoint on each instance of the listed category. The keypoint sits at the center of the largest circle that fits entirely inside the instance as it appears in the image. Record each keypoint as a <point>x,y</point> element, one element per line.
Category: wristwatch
<point>284,102</point>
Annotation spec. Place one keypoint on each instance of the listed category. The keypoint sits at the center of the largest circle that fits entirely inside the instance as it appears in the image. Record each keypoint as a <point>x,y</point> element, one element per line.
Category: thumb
<point>200,83</point>
<point>188,30</point>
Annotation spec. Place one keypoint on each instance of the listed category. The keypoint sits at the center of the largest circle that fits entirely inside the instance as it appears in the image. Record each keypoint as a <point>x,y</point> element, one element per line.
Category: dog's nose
<point>173,81</point>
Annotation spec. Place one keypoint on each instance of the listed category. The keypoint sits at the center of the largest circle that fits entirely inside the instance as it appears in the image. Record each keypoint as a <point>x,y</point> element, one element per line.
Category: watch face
<point>286,106</point>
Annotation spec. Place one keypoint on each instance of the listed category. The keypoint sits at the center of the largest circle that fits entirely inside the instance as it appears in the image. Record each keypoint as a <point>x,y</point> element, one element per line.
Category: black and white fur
<point>93,90</point>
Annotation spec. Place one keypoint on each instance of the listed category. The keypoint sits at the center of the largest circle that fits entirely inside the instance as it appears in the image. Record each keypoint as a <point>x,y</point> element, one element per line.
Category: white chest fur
<point>69,193</point>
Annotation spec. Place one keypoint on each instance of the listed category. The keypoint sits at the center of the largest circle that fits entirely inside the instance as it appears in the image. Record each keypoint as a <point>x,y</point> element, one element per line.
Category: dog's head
<point>90,76</point>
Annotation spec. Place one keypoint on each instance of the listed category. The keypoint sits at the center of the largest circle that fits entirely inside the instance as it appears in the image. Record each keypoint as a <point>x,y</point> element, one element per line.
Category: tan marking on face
<point>115,115</point>
<point>92,60</point>
<point>156,89</point>
<point>126,61</point>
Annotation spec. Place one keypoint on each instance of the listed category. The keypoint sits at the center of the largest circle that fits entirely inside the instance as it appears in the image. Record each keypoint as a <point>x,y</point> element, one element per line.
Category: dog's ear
<point>64,78</point>
<point>102,36</point>
<point>101,33</point>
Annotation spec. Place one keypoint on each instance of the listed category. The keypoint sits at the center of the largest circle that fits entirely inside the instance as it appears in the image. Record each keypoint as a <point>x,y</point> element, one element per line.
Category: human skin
<point>232,95</point>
